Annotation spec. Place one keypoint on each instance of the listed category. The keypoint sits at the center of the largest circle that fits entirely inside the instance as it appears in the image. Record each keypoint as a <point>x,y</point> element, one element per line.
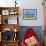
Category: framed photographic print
<point>13,12</point>
<point>29,14</point>
<point>5,12</point>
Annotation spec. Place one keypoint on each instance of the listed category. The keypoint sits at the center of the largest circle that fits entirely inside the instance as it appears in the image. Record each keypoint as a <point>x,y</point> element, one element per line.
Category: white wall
<point>27,4</point>
<point>32,4</point>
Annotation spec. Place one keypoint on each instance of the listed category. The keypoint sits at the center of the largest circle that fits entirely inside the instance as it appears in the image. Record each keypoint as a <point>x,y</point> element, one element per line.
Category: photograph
<point>30,14</point>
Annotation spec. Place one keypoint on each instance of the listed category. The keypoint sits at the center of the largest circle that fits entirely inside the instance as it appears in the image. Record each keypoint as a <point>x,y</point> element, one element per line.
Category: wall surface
<point>27,4</point>
<point>32,4</point>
